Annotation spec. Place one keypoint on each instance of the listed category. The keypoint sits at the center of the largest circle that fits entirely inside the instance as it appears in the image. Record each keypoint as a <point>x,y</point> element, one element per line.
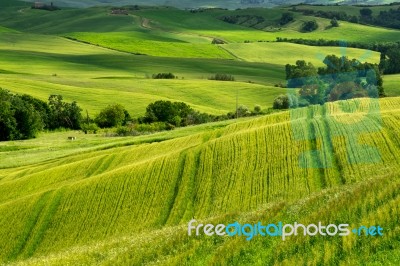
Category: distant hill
<point>208,3</point>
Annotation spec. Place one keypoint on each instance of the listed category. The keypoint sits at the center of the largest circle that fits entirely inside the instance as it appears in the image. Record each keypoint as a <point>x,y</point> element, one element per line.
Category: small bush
<point>309,26</point>
<point>222,77</point>
<point>89,128</point>
<point>164,76</point>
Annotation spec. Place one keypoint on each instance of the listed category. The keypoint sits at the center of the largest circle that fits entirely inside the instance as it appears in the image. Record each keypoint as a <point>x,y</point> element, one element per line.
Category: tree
<point>40,106</point>
<point>175,113</point>
<point>366,13</point>
<point>29,122</point>
<point>295,74</point>
<point>334,22</point>
<point>347,90</point>
<point>164,76</point>
<point>286,18</point>
<point>18,118</point>
<point>313,92</point>
<point>390,61</point>
<point>8,123</point>
<point>62,114</point>
<point>285,101</point>
<point>309,26</point>
<point>112,116</point>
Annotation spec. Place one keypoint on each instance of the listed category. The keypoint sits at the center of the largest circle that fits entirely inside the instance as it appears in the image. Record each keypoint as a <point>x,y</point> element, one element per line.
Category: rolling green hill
<point>125,78</point>
<point>350,10</point>
<point>289,53</point>
<point>130,203</point>
<point>103,200</point>
<point>207,3</point>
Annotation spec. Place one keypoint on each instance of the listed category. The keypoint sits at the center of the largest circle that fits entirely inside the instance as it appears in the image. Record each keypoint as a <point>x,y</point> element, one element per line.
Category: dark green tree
<point>334,22</point>
<point>286,18</point>
<point>112,116</point>
<point>309,26</point>
<point>390,61</point>
<point>62,114</point>
<point>366,13</point>
<point>175,113</point>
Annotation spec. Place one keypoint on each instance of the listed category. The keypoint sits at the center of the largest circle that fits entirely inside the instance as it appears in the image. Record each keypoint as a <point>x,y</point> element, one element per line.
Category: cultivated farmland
<point>125,185</point>
<point>70,198</point>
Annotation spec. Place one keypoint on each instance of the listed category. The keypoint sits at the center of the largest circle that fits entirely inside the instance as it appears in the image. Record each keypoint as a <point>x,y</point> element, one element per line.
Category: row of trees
<point>22,116</point>
<point>390,51</point>
<point>180,114</point>
<point>341,78</point>
<point>386,18</point>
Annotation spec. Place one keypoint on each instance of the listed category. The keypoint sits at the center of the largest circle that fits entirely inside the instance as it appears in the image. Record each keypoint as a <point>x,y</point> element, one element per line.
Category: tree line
<point>23,116</point>
<point>390,51</point>
<point>386,18</point>
<point>341,78</point>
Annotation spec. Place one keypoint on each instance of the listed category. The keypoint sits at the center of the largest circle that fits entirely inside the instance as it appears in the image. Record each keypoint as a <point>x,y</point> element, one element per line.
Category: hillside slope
<point>114,205</point>
<point>207,3</point>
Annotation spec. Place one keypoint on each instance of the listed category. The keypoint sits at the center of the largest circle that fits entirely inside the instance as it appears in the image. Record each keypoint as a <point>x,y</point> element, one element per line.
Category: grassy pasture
<point>350,10</point>
<point>392,85</point>
<point>126,201</point>
<point>289,53</point>
<point>208,24</point>
<point>125,194</point>
<point>204,24</point>
<point>136,94</point>
<point>128,42</point>
<point>113,75</point>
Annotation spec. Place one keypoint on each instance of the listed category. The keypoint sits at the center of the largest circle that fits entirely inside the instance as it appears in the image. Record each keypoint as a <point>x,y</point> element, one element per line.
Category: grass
<point>391,84</point>
<point>133,196</point>
<point>108,74</point>
<point>136,94</point>
<point>350,10</point>
<point>211,26</point>
<point>126,201</point>
<point>288,53</point>
<point>132,43</point>
<point>180,22</point>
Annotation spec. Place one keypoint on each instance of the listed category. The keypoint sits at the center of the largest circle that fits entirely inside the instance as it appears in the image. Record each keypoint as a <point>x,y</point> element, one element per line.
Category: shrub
<point>309,26</point>
<point>334,22</point>
<point>174,113</point>
<point>281,102</point>
<point>112,116</point>
<point>286,18</point>
<point>89,128</point>
<point>164,76</point>
<point>222,77</point>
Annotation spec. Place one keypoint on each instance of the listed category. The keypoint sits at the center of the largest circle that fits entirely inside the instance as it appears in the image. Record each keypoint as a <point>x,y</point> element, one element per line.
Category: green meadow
<point>127,200</point>
<point>289,53</point>
<point>106,200</point>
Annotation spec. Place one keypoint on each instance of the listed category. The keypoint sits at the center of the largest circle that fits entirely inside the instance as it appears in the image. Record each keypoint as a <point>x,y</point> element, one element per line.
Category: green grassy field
<point>126,200</point>
<point>125,78</point>
<point>210,25</point>
<point>392,85</point>
<point>289,53</point>
<point>350,10</point>
<point>134,199</point>
<point>128,42</point>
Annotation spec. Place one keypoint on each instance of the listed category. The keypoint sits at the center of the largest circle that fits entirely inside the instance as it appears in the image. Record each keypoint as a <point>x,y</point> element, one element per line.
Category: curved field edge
<point>172,245</point>
<point>237,169</point>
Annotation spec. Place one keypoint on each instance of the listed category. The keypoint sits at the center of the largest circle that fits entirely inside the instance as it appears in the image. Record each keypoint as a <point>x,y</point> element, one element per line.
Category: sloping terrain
<point>142,194</point>
<point>208,3</point>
